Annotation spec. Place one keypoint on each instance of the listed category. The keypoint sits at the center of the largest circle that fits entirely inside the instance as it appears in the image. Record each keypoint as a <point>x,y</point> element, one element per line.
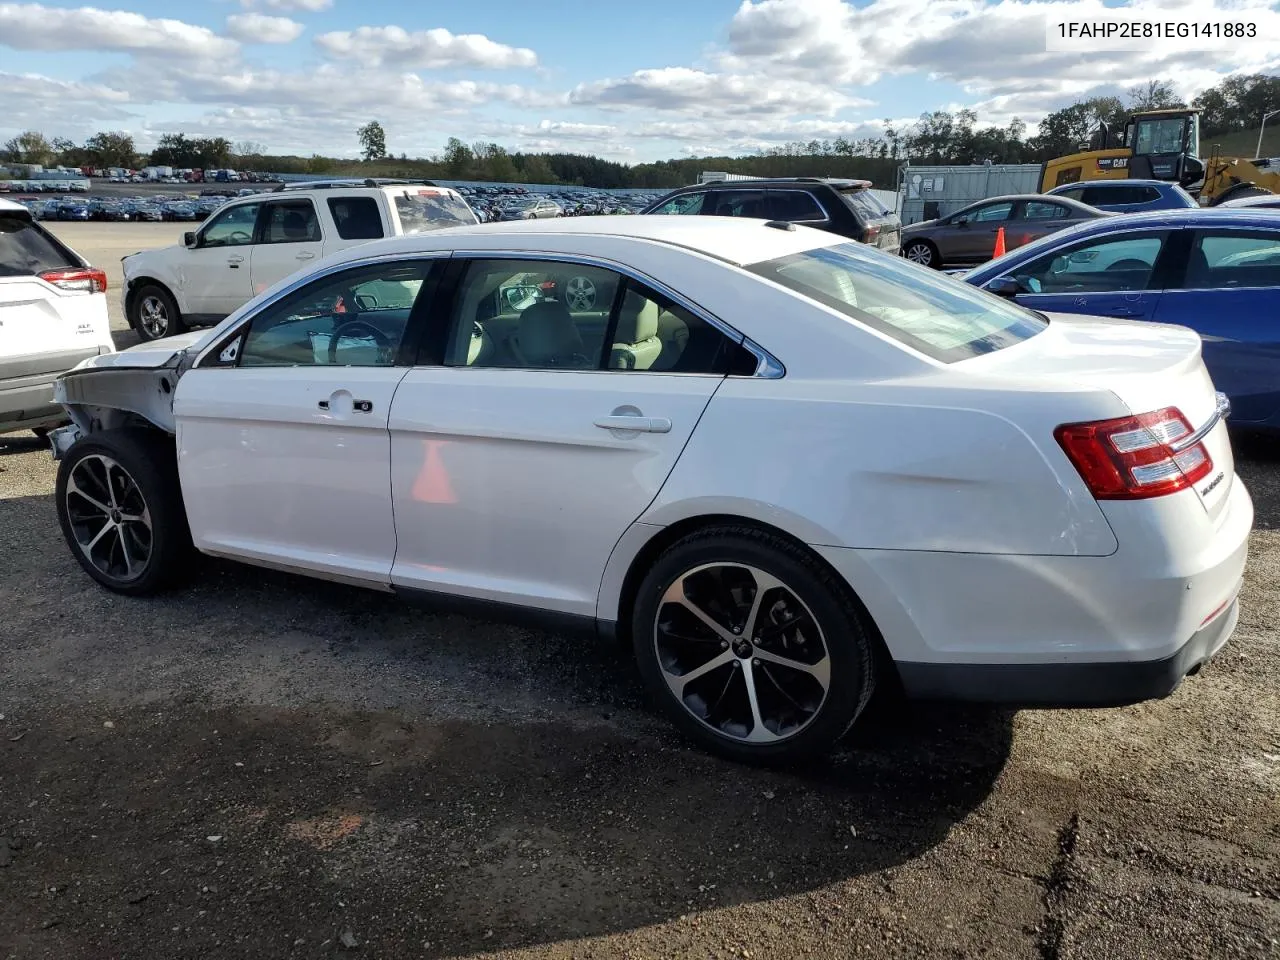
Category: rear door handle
<point>635,424</point>
<point>362,406</point>
<point>235,259</point>
<point>306,256</point>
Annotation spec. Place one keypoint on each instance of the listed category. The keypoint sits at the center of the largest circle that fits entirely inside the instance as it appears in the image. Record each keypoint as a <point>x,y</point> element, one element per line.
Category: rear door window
<point>793,205</point>
<point>1043,210</point>
<point>1234,259</point>
<point>736,203</point>
<point>26,249</point>
<point>356,218</point>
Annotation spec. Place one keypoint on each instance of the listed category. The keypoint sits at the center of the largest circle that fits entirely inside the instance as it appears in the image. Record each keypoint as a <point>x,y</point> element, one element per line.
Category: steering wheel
<point>239,236</point>
<point>378,337</point>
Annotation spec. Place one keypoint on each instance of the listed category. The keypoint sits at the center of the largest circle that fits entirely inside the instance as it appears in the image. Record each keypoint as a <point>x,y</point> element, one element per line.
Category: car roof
<point>1015,197</point>
<point>13,208</point>
<point>736,240</point>
<point>799,182</point>
<point>1135,182</point>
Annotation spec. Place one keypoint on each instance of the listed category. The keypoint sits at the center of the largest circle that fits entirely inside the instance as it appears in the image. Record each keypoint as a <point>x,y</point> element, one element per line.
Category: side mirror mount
<point>1007,287</point>
<point>189,239</point>
<point>960,222</point>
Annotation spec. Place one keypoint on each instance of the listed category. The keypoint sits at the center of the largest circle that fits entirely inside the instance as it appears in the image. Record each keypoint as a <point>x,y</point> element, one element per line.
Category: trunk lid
<point>35,317</point>
<point>1148,366</point>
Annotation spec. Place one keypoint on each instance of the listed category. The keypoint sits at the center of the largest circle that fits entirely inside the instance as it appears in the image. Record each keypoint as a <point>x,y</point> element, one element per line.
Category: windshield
<point>427,210</point>
<point>943,318</point>
<point>1160,136</point>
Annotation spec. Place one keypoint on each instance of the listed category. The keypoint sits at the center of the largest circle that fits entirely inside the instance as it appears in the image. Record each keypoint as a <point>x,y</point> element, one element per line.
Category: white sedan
<point>785,466</point>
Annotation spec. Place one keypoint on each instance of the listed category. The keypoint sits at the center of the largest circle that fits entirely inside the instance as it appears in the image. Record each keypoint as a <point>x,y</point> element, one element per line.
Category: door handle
<point>236,259</point>
<point>635,424</point>
<point>361,406</point>
<point>306,256</point>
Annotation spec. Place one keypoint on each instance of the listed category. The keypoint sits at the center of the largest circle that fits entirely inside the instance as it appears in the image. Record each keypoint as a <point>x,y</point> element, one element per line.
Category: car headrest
<point>547,335</point>
<point>637,319</point>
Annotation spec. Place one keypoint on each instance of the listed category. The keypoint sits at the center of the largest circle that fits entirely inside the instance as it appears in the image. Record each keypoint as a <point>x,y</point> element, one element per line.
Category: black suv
<point>844,207</point>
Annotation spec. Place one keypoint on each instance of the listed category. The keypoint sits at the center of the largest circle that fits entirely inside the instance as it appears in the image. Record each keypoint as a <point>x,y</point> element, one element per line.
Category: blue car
<point>1216,271</point>
<point>1128,196</point>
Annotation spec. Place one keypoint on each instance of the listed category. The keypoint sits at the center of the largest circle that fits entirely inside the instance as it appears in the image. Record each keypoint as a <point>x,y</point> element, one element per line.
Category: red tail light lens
<point>869,234</point>
<point>86,280</point>
<point>1132,458</point>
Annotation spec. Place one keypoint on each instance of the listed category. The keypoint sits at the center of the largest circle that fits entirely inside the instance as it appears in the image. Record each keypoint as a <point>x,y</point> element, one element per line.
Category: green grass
<point>1242,143</point>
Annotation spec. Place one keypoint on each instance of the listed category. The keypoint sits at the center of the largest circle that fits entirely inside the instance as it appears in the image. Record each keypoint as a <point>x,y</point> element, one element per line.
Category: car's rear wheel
<point>918,251</point>
<point>120,507</point>
<point>154,314</point>
<point>752,646</point>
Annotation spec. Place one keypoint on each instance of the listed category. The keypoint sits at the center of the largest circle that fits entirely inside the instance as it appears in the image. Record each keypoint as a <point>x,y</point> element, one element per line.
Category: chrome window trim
<point>768,367</point>
<point>1213,289</point>
<point>237,326</point>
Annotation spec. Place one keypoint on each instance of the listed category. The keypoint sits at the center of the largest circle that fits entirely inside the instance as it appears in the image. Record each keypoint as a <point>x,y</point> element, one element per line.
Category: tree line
<point>937,137</point>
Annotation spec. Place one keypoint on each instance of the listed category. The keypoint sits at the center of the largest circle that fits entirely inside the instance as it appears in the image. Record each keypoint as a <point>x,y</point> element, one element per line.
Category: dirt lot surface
<point>262,766</point>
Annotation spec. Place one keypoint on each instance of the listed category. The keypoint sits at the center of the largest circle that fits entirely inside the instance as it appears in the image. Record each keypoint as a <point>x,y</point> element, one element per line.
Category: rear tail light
<point>1132,458</point>
<point>86,280</point>
<point>869,234</point>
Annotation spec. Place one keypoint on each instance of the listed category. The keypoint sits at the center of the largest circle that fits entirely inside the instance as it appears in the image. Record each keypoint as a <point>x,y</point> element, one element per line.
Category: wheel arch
<point>134,284</point>
<point>643,543</point>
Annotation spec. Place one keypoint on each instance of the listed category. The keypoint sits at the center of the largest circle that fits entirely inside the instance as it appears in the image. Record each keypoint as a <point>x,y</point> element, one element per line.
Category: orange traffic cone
<point>999,244</point>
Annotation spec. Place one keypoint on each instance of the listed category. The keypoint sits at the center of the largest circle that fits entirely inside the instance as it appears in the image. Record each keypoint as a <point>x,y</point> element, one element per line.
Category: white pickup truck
<point>252,242</point>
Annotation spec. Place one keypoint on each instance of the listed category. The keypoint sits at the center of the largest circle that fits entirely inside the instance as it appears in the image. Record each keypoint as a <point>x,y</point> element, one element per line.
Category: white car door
<point>543,430</point>
<point>289,238</point>
<point>283,449</point>
<point>214,273</point>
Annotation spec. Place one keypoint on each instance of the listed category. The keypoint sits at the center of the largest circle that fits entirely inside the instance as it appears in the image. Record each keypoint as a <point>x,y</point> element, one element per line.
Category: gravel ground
<point>264,766</point>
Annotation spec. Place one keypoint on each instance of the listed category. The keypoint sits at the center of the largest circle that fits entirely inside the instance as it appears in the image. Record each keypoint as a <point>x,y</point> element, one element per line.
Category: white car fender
<point>162,265</point>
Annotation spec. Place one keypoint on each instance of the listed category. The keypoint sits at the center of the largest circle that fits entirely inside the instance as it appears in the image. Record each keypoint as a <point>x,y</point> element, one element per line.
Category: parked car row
<point>122,210</point>
<point>521,203</point>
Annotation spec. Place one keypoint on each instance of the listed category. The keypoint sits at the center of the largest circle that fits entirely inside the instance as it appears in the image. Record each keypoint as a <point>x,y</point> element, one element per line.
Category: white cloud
<point>33,26</point>
<point>429,49</point>
<point>81,108</point>
<point>257,28</point>
<point>306,6</point>
<point>684,89</point>
<point>989,49</point>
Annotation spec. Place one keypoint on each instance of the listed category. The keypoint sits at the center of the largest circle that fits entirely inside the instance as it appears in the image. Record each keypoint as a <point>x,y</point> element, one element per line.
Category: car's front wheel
<point>923,253</point>
<point>154,314</point>
<point>121,511</point>
<point>752,646</point>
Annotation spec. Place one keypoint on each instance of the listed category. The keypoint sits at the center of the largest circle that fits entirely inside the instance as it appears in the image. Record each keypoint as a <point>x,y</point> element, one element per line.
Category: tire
<point>154,314</point>
<point>922,252</point>
<point>143,471</point>
<point>831,636</point>
<point>1238,190</point>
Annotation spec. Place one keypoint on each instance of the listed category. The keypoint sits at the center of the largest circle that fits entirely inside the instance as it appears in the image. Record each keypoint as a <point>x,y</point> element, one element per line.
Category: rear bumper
<point>1114,684</point>
<point>26,388</point>
<point>1061,630</point>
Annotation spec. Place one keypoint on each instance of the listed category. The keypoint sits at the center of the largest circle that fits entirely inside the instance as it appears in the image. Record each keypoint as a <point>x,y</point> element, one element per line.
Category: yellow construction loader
<point>1164,145</point>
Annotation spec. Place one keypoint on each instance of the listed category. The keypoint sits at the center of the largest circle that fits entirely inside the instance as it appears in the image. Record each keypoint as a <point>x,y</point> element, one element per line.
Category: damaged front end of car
<point>130,388</point>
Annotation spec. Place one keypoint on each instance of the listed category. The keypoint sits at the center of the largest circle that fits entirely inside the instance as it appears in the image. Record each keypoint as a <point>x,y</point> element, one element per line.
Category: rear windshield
<point>941,317</point>
<point>25,249</point>
<point>425,210</point>
<point>865,202</point>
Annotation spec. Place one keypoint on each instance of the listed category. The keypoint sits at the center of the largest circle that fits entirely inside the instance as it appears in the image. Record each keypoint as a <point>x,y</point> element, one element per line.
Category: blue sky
<point>634,82</point>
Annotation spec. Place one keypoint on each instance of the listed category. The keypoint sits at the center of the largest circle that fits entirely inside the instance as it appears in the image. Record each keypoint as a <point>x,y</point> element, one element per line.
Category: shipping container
<point>931,192</point>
